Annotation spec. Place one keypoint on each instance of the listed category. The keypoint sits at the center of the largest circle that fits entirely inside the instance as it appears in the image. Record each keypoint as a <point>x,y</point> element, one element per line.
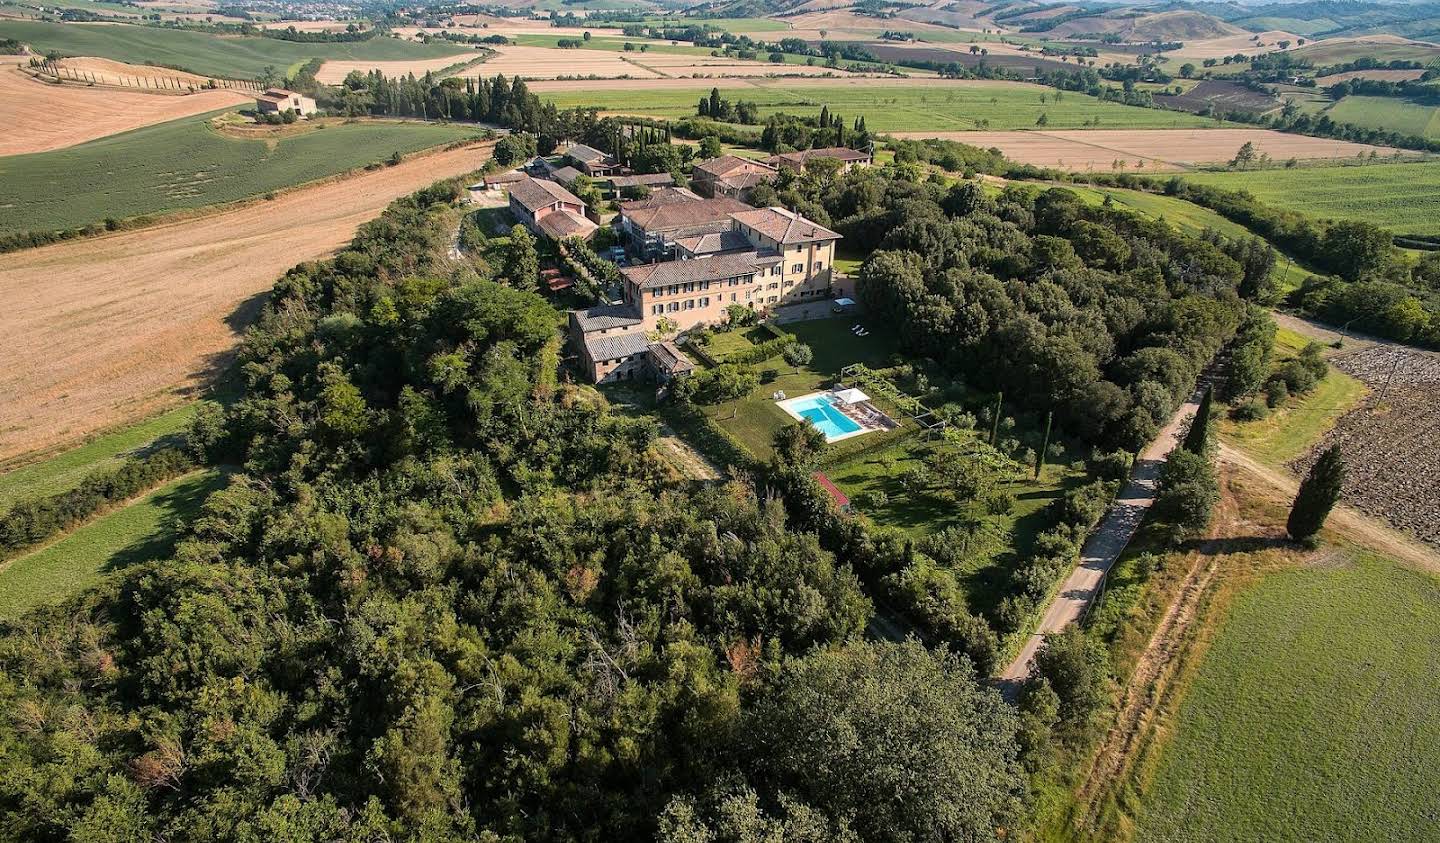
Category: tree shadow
<point>179,505</point>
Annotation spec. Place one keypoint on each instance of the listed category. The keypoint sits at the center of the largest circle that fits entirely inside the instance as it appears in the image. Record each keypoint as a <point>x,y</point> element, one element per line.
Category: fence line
<point>60,72</point>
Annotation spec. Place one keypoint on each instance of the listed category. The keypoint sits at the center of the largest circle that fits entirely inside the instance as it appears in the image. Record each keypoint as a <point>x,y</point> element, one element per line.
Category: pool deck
<point>786,404</point>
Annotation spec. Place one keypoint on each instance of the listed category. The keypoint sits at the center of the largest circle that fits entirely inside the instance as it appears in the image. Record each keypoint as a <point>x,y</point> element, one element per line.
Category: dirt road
<point>1105,545</point>
<point>107,330</point>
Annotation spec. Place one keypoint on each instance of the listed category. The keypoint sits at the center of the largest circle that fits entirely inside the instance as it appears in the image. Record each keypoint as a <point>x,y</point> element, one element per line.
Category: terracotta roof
<point>784,226</point>
<point>709,244</point>
<point>662,196</point>
<point>646,179</point>
<point>839,153</point>
<point>682,214</point>
<point>745,181</point>
<point>711,268</point>
<point>615,346</point>
<point>534,194</point>
<point>277,94</point>
<point>507,177</point>
<point>561,224</point>
<point>727,164</point>
<point>604,317</point>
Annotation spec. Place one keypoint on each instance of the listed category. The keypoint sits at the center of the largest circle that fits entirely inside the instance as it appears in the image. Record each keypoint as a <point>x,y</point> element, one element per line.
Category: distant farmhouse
<point>546,208</point>
<point>847,157</point>
<point>279,101</point>
<point>731,176</point>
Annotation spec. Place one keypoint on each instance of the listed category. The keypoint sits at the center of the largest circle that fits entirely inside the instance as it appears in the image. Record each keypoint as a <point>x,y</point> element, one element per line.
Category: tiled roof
<point>712,268</point>
<point>534,194</point>
<point>562,224</point>
<point>277,94</point>
<point>507,177</point>
<point>840,153</point>
<point>682,214</point>
<point>646,179</point>
<point>604,317</point>
<point>784,226</point>
<point>566,175</point>
<point>586,154</point>
<point>708,244</point>
<point>745,181</point>
<point>670,358</point>
<point>727,164</point>
<point>615,346</point>
<point>662,196</point>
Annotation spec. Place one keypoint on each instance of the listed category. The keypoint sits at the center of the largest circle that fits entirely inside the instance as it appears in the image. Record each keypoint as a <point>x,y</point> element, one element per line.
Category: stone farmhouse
<point>546,208</point>
<point>847,157</point>
<point>280,100</point>
<point>731,176</point>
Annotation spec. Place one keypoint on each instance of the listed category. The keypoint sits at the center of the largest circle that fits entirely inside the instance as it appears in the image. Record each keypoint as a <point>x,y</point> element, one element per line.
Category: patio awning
<point>852,396</point>
<point>845,302</point>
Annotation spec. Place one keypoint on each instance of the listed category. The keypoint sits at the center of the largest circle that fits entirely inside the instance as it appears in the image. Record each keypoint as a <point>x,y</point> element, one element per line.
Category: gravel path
<point>1105,545</point>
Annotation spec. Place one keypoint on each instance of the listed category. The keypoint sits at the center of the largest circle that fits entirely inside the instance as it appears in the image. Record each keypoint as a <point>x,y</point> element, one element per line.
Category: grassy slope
<point>1400,197</point>
<point>1313,715</point>
<point>1390,113</point>
<point>144,530</point>
<point>187,164</point>
<point>198,52</point>
<point>896,109</point>
<point>1291,429</point>
<point>64,471</point>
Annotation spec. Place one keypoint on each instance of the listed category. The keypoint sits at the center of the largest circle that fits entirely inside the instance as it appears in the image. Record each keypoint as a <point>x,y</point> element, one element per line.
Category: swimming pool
<point>818,409</point>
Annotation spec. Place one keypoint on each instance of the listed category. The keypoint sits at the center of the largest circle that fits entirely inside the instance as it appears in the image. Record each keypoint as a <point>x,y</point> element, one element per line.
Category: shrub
<point>1250,411</point>
<point>1276,391</point>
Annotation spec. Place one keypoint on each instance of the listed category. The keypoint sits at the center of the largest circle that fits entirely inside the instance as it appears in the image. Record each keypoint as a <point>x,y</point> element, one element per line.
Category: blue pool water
<point>819,412</point>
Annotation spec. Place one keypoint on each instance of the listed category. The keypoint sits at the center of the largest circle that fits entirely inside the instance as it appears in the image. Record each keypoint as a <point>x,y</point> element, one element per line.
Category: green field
<point>1313,715</point>
<point>1404,198</point>
<point>1341,51</point>
<point>208,55</point>
<point>1389,113</point>
<point>144,530</point>
<point>64,471</point>
<point>188,164</point>
<point>891,108</point>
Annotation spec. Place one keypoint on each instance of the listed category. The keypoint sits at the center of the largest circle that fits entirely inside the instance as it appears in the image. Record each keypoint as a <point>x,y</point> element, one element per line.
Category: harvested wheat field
<point>41,116</point>
<point>671,64</point>
<point>1381,75</point>
<point>116,327</point>
<point>108,72</point>
<point>842,80</point>
<point>1150,149</point>
<point>1246,44</point>
<point>550,62</point>
<point>334,72</point>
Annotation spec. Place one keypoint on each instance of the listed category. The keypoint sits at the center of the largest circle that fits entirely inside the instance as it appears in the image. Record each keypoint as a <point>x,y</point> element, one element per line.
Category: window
<point>704,301</point>
<point>776,269</point>
<point>689,304</point>
<point>772,298</point>
<point>732,297</point>
<point>704,285</point>
<point>657,308</point>
<point>819,265</point>
<point>799,267</point>
<point>772,286</point>
<point>674,306</point>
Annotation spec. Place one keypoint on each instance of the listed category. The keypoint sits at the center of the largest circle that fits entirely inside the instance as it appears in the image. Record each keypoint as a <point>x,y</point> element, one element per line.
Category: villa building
<point>546,208</point>
<point>847,157</point>
<point>766,257</point>
<point>731,176</point>
<point>651,226</point>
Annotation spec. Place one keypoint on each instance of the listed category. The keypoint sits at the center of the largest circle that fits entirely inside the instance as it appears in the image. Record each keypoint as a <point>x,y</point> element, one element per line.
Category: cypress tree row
<point>1317,496</point>
<point>1198,439</point>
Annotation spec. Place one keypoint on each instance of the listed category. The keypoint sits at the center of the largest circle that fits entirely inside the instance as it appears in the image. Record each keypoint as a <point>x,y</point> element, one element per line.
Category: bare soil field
<point>40,116</point>
<point>1154,149</point>
<point>1391,443</point>
<point>550,62</point>
<point>115,328</point>
<point>334,72</point>
<point>1220,95</point>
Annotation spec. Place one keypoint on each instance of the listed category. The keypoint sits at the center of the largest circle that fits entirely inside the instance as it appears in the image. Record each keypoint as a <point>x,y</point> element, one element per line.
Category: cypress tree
<point>1198,439</point>
<point>1317,496</point>
<point>995,422</point>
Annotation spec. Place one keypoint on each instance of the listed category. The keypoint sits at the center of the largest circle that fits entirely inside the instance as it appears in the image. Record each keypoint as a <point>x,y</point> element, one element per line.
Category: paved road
<point>1105,545</point>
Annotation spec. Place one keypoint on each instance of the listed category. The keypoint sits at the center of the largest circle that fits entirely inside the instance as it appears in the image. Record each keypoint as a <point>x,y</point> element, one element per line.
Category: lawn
<point>64,471</point>
<point>1313,715</point>
<point>1404,198</point>
<point>188,164</point>
<point>144,530</point>
<point>1389,113</point>
<point>888,108</point>
<point>232,57</point>
<point>1294,427</point>
<point>753,420</point>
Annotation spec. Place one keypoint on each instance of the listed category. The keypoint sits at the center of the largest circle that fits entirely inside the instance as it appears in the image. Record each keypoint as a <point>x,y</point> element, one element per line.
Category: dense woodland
<point>449,595</point>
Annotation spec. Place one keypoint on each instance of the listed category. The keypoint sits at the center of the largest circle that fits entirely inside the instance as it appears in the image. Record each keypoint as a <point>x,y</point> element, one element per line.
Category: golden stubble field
<point>1150,150</point>
<point>108,330</point>
<point>40,116</point>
